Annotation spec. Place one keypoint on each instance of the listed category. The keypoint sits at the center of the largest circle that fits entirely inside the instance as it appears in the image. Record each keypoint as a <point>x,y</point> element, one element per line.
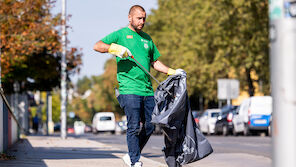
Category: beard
<point>137,27</point>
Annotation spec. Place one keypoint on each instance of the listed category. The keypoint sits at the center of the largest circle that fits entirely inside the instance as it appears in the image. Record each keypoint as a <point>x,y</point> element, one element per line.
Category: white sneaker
<point>138,164</point>
<point>127,160</point>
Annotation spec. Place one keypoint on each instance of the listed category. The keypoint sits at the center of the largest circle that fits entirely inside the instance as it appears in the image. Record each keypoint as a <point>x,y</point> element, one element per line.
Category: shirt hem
<point>137,93</point>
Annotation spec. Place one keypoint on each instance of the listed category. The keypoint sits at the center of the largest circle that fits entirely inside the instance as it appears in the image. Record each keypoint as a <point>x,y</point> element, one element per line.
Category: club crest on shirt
<point>129,37</point>
<point>145,46</point>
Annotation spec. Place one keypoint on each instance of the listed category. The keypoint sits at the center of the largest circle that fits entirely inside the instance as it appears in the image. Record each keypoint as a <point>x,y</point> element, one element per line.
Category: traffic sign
<point>228,89</point>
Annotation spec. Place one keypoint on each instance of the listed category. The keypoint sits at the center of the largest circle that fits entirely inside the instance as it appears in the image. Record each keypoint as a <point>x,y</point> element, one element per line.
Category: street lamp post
<point>63,75</point>
<point>282,33</point>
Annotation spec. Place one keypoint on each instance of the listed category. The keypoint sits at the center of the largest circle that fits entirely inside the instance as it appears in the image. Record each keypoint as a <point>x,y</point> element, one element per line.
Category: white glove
<point>176,72</point>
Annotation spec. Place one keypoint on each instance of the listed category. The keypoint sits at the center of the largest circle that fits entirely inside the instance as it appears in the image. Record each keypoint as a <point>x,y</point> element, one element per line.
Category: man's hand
<point>176,72</point>
<point>119,51</point>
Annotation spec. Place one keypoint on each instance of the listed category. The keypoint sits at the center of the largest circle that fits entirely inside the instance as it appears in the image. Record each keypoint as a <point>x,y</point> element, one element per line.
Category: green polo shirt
<point>131,78</point>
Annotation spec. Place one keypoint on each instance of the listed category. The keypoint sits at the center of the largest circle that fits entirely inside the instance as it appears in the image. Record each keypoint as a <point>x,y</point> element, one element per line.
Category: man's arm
<point>114,49</point>
<point>101,47</point>
<point>159,66</point>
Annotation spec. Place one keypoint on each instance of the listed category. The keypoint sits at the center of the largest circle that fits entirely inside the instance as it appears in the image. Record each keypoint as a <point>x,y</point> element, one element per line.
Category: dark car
<point>196,115</point>
<point>224,123</point>
<point>88,128</point>
<point>57,127</point>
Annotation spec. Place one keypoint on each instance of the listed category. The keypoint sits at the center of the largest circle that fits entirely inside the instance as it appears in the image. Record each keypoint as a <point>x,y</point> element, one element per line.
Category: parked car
<point>254,115</point>
<point>121,127</point>
<point>104,122</point>
<point>196,115</point>
<point>224,124</point>
<point>88,128</point>
<point>57,127</point>
<point>208,120</point>
<point>70,130</point>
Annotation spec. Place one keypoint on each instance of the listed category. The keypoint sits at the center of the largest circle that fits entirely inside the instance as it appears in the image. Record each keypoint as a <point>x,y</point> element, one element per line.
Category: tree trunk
<point>250,82</point>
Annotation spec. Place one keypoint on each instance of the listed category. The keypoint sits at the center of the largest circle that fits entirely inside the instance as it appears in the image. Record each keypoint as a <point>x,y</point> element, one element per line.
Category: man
<point>135,88</point>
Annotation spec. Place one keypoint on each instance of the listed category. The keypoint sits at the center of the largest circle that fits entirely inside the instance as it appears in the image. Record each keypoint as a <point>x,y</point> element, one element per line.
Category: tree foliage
<point>84,84</point>
<point>56,106</point>
<point>211,40</point>
<point>102,97</point>
<point>26,28</point>
<point>30,45</point>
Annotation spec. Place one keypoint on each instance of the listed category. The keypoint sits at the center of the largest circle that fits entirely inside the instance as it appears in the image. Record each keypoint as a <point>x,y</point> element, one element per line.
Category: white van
<point>104,122</point>
<point>208,120</point>
<point>254,114</point>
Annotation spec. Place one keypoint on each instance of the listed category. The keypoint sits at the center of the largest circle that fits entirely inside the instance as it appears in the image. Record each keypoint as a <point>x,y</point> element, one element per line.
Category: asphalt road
<point>251,145</point>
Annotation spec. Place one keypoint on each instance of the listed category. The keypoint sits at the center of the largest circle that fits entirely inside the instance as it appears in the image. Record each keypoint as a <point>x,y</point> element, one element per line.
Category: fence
<point>10,128</point>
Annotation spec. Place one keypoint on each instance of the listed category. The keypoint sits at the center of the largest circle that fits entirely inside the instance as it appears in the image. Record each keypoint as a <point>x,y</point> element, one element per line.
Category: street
<point>256,147</point>
<point>104,149</point>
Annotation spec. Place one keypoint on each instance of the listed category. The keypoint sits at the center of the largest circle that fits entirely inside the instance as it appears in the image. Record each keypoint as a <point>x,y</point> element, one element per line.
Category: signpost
<point>228,89</point>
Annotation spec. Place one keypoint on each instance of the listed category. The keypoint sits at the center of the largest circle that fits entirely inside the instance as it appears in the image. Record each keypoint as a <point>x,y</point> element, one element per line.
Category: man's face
<point>137,19</point>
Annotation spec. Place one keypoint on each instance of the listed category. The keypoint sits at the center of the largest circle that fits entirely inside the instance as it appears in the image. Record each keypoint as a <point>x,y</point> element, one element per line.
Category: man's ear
<point>129,18</point>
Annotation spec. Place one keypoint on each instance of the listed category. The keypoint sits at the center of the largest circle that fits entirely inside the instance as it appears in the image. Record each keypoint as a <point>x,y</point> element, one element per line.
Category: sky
<point>91,20</point>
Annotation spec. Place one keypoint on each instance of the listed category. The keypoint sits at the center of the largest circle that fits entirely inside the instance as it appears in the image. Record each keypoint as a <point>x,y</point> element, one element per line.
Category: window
<point>105,118</point>
<point>215,114</point>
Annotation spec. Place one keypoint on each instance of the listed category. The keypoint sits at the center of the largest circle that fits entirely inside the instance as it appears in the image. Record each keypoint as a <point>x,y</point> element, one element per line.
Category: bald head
<point>134,8</point>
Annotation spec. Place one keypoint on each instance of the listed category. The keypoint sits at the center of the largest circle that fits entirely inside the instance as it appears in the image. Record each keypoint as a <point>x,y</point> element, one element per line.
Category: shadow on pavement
<point>21,151</point>
<point>26,155</point>
<point>149,155</point>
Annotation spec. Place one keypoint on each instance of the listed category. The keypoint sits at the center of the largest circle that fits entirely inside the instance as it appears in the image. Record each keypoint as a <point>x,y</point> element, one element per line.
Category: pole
<point>0,60</point>
<point>16,89</point>
<point>47,113</point>
<point>219,104</point>
<point>228,93</point>
<point>146,70</point>
<point>200,103</point>
<point>49,122</point>
<point>282,32</point>
<point>63,75</point>
<point>152,76</point>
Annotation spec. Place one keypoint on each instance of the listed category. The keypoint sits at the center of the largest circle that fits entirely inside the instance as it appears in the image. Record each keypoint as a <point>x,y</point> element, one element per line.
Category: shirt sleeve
<point>155,52</point>
<point>111,38</point>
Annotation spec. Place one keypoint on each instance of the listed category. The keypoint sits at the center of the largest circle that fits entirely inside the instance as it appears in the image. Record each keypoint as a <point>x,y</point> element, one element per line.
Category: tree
<point>27,27</point>
<point>80,108</point>
<point>210,40</point>
<point>250,44</point>
<point>56,106</point>
<point>103,97</point>
<point>84,84</point>
<point>192,44</point>
<point>30,46</point>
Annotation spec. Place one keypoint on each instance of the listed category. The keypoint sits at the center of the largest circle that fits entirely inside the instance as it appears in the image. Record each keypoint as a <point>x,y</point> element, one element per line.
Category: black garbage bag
<point>184,141</point>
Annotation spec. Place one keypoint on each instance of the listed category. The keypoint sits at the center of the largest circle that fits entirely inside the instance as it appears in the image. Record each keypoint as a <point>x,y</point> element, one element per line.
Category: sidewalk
<point>53,151</point>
